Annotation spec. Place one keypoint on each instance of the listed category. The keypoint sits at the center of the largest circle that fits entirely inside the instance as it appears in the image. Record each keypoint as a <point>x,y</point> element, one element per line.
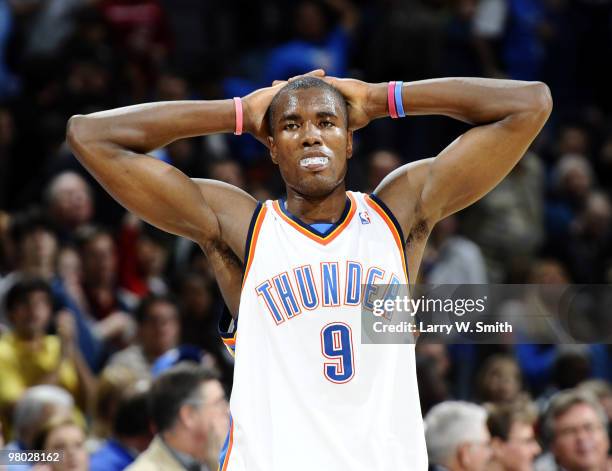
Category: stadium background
<point>548,222</point>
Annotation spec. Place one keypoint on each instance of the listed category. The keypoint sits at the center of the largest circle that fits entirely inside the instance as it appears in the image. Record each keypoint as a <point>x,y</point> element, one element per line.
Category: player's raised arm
<point>508,116</point>
<point>113,145</point>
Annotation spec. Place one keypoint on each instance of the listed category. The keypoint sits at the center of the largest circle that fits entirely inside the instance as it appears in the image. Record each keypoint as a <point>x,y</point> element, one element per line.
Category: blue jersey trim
<point>397,226</point>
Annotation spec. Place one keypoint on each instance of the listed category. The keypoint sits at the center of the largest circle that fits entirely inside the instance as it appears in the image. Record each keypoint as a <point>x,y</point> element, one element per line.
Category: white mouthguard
<point>313,161</point>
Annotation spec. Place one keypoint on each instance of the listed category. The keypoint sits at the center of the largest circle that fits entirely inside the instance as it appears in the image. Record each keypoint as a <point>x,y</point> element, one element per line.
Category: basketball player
<point>307,394</point>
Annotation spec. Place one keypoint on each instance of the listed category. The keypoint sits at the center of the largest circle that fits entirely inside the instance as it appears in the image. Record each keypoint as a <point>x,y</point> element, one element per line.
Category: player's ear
<point>272,147</point>
<point>349,144</point>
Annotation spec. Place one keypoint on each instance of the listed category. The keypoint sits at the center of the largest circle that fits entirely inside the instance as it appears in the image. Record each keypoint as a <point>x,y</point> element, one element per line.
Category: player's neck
<point>309,210</point>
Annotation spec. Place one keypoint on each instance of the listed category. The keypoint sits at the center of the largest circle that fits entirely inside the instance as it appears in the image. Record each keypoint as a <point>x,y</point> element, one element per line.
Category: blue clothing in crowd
<point>112,456</point>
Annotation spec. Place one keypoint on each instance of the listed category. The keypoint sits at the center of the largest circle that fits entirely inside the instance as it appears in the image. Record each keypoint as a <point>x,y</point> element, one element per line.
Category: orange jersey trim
<point>229,447</point>
<point>323,240</point>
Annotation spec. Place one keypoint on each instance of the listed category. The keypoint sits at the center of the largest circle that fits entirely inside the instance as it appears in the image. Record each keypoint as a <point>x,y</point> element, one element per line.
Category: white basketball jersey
<point>307,394</point>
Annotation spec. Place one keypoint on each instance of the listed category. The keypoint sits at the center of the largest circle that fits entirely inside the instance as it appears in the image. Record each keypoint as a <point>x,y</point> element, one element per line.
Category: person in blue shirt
<point>131,434</point>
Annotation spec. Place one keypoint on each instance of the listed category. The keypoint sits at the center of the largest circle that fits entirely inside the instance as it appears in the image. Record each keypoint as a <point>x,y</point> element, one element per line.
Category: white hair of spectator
<point>60,180</point>
<point>569,162</point>
<point>30,408</point>
<point>450,424</point>
<point>563,402</point>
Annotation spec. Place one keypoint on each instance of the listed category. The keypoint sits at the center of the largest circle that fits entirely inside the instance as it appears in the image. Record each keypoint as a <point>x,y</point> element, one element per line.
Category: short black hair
<point>303,83</point>
<point>20,291</point>
<point>173,389</point>
<point>132,418</point>
<point>142,311</point>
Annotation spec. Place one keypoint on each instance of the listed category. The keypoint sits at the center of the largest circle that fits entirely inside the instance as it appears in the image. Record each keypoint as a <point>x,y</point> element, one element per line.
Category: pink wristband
<point>239,117</point>
<point>391,100</point>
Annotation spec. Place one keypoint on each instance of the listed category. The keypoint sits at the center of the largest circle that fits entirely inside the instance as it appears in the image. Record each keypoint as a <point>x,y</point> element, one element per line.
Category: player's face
<point>311,143</point>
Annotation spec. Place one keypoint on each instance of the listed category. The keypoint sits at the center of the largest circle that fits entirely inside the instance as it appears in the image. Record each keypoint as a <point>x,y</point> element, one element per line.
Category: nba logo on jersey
<point>364,217</point>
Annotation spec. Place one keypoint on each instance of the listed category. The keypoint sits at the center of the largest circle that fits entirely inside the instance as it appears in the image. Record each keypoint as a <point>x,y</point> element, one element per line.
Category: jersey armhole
<point>228,326</point>
<point>395,224</point>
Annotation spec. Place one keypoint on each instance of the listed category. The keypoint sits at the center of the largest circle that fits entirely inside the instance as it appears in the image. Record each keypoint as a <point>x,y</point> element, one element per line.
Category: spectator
<point>603,391</point>
<point>69,203</point>
<point>228,171</point>
<point>575,426</point>
<point>508,222</point>
<point>131,433</point>
<point>51,24</point>
<point>35,245</point>
<point>457,437</point>
<point>539,314</point>
<point>573,181</point>
<point>159,331</point>
<point>489,21</point>
<point>35,407</point>
<point>380,164</point>
<point>105,305</point>
<point>433,367</point>
<point>113,382</point>
<point>142,258</point>
<point>452,259</point>
<point>68,294</point>
<point>460,57</point>
<point>29,356</point>
<point>589,251</point>
<point>499,380</point>
<point>190,413</point>
<point>199,319</point>
<point>139,29</point>
<point>316,46</point>
<point>573,139</point>
<point>512,436</point>
<point>527,29</point>
<point>63,434</point>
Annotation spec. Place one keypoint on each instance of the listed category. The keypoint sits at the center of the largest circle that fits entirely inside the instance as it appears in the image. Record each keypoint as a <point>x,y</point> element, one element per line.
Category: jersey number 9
<point>337,346</point>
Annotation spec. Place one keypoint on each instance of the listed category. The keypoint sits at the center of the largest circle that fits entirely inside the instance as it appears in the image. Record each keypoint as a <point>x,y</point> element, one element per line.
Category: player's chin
<point>317,185</point>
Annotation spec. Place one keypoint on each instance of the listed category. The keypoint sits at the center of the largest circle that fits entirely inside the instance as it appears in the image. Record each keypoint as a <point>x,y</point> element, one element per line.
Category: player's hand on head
<point>255,106</point>
<point>357,95</point>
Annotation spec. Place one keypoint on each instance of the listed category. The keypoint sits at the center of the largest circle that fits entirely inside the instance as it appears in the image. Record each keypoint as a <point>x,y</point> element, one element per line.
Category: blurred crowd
<point>104,318</point>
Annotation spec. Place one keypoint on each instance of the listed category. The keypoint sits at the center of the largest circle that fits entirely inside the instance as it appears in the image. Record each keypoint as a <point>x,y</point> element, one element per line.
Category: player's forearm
<point>143,128</point>
<point>473,100</point>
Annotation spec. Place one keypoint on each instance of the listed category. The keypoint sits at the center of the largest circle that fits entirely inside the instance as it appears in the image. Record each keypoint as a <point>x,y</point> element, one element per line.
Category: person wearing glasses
<point>575,426</point>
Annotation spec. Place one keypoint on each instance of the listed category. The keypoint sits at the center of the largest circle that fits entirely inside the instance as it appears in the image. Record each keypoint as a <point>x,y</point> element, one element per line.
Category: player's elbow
<point>76,131</point>
<point>541,101</point>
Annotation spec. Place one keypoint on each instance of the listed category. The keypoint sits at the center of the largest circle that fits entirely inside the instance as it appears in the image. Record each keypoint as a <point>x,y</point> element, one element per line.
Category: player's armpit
<point>233,209</point>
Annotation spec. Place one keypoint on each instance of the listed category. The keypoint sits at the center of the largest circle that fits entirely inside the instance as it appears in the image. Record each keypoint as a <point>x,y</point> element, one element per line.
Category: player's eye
<point>290,127</point>
<point>327,124</point>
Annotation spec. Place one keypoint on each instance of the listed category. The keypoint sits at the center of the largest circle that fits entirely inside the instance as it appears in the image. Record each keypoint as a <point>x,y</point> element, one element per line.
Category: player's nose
<point>311,135</point>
